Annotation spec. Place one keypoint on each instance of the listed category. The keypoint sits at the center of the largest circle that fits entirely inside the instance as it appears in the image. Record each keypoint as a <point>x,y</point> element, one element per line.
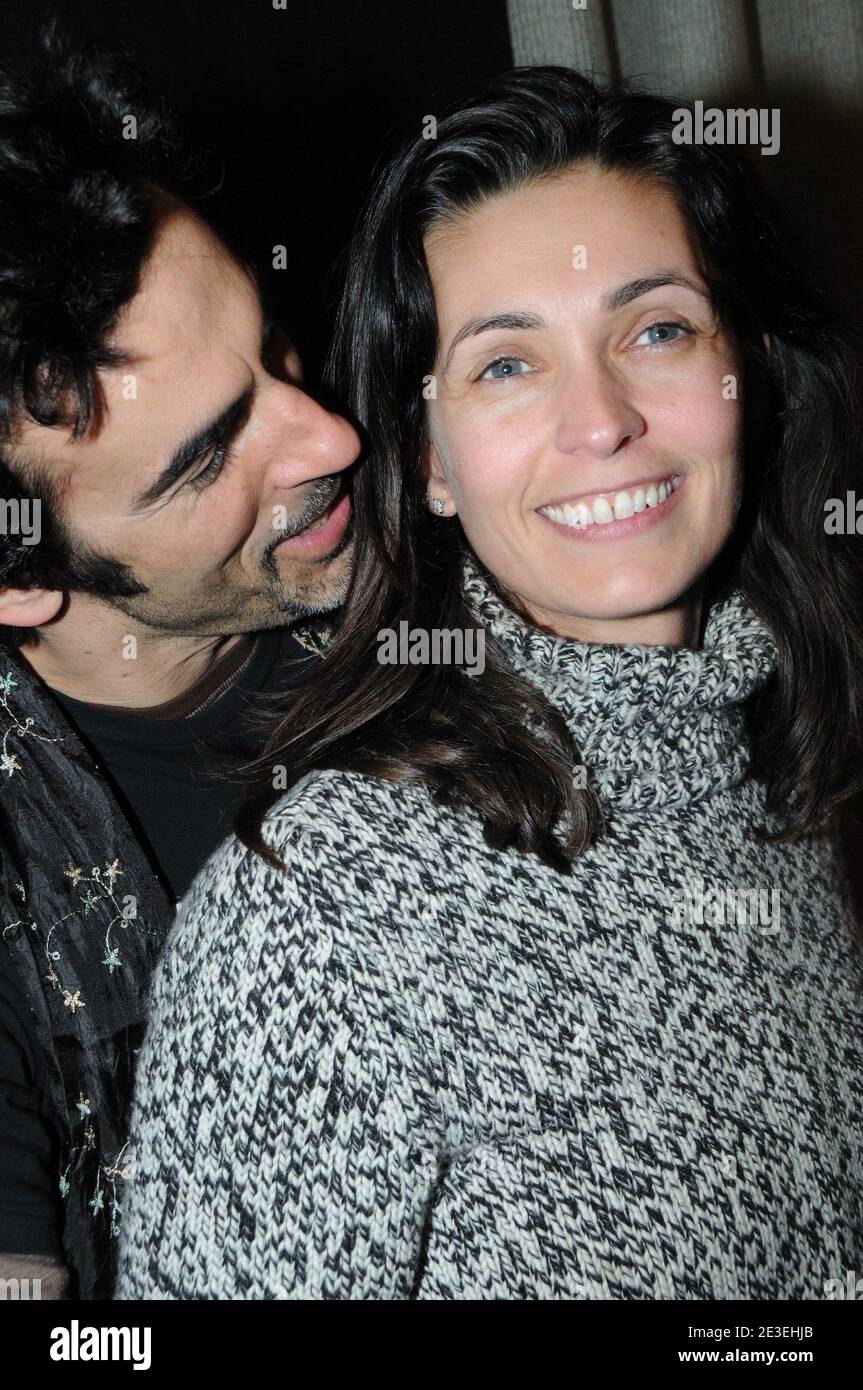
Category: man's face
<point>564,378</point>
<point>206,455</point>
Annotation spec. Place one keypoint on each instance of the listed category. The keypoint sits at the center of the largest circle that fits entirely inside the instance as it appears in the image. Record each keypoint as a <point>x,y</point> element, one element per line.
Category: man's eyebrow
<point>624,294</point>
<point>191,449</point>
<point>513,322</point>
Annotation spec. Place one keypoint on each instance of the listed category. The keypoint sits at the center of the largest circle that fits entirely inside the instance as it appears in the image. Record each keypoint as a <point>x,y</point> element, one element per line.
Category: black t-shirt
<point>167,768</point>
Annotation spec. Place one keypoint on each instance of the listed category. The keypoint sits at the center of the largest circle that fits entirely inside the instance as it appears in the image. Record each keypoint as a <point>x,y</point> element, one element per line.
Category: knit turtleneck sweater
<point>417,1067</point>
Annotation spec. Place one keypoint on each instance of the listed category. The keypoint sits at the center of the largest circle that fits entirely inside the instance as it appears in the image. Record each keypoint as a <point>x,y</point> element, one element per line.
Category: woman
<point>541,979</point>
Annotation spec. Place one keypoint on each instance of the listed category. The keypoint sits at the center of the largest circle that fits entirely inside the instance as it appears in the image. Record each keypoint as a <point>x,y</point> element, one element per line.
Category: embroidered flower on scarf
<point>88,908</point>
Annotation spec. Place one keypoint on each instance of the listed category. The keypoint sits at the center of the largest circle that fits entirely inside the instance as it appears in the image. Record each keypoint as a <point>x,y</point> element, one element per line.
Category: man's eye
<point>504,367</point>
<point>664,329</point>
<point>211,470</point>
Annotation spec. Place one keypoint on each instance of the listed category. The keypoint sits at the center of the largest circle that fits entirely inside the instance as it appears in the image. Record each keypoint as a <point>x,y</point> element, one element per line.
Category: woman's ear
<point>29,607</point>
<point>438,495</point>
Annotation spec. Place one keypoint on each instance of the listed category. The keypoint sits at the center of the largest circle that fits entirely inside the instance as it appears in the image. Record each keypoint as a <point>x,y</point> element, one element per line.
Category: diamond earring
<point>437,506</point>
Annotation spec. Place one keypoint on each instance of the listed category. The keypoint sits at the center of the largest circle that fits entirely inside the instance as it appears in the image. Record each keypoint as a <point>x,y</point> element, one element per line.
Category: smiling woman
<point>450,991</point>
<point>680,347</point>
<point>577,416</point>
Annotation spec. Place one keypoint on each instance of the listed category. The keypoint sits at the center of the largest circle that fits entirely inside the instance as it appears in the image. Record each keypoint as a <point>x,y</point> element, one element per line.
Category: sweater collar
<point>655,725</point>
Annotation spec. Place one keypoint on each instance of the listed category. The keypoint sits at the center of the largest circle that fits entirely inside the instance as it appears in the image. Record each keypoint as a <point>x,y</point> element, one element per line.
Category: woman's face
<point>580,367</point>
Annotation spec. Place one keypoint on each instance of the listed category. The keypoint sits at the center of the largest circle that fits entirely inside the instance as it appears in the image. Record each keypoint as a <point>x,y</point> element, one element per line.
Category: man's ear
<point>29,607</point>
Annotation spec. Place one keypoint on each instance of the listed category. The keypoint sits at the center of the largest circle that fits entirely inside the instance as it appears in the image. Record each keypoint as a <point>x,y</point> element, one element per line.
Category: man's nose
<point>308,441</point>
<point>596,415</point>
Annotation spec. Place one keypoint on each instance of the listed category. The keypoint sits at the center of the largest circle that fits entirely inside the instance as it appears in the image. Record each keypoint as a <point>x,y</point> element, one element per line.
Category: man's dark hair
<point>492,741</point>
<point>86,152</point>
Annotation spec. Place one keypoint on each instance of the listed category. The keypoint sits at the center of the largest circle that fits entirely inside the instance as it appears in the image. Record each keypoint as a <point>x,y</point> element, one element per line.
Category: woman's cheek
<point>472,462</point>
<point>698,423</point>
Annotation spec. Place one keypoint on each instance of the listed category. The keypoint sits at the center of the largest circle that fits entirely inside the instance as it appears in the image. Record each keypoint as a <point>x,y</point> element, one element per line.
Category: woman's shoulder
<point>325,822</point>
<point>244,916</point>
<point>258,937</point>
<point>354,815</point>
<point>330,800</point>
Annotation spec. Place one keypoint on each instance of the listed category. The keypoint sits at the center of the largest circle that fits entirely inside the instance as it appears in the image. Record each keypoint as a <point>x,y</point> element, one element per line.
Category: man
<point>173,502</point>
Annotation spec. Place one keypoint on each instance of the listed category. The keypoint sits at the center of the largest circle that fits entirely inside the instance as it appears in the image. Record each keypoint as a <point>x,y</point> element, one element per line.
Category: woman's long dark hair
<point>492,741</point>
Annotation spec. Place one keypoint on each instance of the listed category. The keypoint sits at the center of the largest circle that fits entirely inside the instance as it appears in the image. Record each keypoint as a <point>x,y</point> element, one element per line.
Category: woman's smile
<point>611,516</point>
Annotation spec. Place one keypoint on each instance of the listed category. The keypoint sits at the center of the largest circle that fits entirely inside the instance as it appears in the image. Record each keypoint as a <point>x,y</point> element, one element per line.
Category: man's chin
<point>275,606</point>
<point>303,591</point>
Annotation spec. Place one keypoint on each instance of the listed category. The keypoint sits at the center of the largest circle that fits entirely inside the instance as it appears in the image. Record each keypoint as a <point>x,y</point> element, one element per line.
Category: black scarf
<point>84,917</point>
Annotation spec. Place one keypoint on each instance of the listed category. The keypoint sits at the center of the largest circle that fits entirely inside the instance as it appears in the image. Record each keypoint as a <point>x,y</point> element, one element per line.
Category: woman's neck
<point>677,625</point>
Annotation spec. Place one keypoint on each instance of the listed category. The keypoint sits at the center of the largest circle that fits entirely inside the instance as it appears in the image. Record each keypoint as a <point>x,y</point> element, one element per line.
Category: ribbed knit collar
<point>655,725</point>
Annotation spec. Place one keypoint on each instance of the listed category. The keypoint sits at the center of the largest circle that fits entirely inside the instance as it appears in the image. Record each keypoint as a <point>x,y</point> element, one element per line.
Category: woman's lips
<point>620,530</point>
<point>323,534</point>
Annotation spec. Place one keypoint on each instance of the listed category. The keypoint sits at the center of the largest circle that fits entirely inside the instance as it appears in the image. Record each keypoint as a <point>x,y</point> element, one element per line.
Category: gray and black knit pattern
<point>416,1067</point>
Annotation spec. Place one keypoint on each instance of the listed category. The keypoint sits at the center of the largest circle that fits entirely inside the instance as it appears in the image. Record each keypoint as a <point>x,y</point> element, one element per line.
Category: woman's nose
<point>596,415</point>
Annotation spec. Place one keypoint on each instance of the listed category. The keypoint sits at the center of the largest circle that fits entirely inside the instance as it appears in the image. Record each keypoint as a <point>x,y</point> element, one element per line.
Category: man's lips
<point>321,535</point>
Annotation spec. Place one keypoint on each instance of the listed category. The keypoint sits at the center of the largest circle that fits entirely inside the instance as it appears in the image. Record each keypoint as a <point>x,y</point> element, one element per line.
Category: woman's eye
<point>503,367</point>
<point>665,330</point>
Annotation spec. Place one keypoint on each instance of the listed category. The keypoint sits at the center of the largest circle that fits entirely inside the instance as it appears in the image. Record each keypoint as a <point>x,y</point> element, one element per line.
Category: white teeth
<point>577,514</point>
<point>623,505</point>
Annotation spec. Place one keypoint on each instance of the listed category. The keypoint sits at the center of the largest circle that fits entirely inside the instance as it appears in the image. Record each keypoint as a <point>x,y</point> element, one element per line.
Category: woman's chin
<point>638,604</point>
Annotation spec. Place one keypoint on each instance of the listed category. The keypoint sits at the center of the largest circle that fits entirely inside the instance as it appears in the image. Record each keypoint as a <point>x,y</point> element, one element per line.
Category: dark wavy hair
<point>78,201</point>
<point>492,741</point>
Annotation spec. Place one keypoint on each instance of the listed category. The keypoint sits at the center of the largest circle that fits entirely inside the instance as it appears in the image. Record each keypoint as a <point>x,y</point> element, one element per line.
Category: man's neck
<point>100,656</point>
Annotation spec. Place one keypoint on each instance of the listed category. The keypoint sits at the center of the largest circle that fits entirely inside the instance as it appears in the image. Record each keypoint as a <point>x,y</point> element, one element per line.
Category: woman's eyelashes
<point>665,326</point>
<point>504,367</point>
<point>666,333</point>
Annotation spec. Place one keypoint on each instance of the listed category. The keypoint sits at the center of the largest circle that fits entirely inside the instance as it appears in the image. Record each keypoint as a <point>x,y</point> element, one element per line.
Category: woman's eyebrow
<point>513,322</point>
<point>624,294</point>
<point>611,300</point>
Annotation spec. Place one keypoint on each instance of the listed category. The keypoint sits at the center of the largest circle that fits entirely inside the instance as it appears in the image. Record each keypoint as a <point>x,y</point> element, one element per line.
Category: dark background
<point>302,103</point>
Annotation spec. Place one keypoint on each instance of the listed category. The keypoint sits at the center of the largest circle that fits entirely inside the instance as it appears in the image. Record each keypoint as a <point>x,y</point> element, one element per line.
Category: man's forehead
<point>189,341</point>
<point>192,290</point>
<point>195,315</point>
